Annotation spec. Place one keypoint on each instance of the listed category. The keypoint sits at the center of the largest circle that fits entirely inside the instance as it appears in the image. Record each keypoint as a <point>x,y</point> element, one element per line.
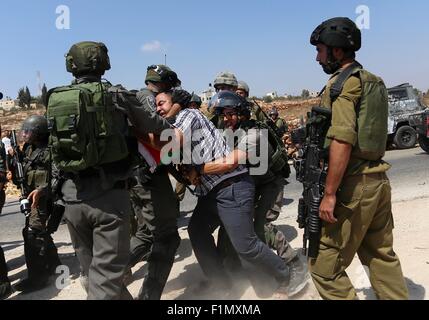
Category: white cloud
<point>154,45</point>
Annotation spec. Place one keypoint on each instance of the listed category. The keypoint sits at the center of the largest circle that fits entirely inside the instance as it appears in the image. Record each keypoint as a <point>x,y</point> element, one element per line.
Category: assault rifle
<point>24,204</point>
<point>311,170</point>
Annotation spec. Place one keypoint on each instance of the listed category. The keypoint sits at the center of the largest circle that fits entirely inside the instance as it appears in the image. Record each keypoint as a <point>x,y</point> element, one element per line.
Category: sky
<point>263,42</point>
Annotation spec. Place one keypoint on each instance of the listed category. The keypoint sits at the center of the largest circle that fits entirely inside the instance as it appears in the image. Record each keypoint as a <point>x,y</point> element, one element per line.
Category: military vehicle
<point>423,131</point>
<point>406,115</point>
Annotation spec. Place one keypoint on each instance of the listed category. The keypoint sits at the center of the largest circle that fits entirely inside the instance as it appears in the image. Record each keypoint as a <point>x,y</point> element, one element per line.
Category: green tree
<point>305,94</point>
<point>24,98</point>
<point>44,97</point>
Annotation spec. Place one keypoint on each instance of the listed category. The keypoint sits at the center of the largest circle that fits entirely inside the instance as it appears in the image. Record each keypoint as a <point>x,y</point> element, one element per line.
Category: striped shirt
<point>203,143</point>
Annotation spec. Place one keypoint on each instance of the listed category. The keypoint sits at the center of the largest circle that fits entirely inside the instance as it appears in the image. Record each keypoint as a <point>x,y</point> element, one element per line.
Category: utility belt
<point>227,182</point>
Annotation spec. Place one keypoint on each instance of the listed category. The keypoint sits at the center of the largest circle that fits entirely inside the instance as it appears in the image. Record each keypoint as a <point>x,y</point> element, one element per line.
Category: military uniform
<point>281,124</point>
<point>156,207</point>
<point>96,196</point>
<point>363,207</point>
<point>41,254</point>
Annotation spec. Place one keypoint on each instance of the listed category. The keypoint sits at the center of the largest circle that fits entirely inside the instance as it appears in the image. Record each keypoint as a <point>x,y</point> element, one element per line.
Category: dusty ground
<point>411,244</point>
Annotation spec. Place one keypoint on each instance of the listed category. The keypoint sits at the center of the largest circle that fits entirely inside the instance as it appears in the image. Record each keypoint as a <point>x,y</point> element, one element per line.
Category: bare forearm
<point>226,164</point>
<point>339,156</point>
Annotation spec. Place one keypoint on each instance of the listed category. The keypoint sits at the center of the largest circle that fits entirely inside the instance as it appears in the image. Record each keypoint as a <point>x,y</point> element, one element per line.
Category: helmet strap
<point>332,65</point>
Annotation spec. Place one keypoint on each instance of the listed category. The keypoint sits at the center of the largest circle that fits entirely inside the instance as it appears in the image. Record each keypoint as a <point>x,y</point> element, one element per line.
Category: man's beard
<point>331,67</point>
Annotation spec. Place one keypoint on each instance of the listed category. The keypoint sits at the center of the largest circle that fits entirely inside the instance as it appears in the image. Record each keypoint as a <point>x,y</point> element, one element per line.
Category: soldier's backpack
<point>85,127</point>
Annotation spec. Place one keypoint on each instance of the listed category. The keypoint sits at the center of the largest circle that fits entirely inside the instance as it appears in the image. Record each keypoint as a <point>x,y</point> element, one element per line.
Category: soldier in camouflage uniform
<point>280,123</point>
<point>268,208</point>
<point>356,207</point>
<point>154,202</point>
<point>40,182</point>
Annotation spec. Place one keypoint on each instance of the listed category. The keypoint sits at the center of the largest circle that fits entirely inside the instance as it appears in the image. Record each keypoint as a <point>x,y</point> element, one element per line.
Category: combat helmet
<point>243,86</point>
<point>88,58</point>
<point>197,100</point>
<point>339,33</point>
<point>38,125</point>
<point>274,112</point>
<point>162,73</point>
<point>226,78</point>
<point>228,99</point>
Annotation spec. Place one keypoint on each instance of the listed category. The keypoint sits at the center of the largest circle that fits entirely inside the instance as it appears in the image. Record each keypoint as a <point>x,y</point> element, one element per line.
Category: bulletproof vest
<point>371,112</point>
<point>87,131</point>
<point>278,160</point>
<point>36,166</point>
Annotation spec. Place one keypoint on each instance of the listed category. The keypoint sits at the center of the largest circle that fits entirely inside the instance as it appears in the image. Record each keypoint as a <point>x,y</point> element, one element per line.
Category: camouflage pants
<point>365,225</point>
<point>41,255</point>
<point>269,201</point>
<point>156,240</point>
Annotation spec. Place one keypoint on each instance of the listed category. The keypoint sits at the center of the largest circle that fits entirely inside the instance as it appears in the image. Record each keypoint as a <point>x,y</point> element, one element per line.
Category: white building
<point>8,104</point>
<point>207,95</point>
<point>273,95</point>
<point>314,94</point>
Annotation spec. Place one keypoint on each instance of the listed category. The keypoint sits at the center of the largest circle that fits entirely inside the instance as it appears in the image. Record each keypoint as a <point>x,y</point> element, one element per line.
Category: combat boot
<point>5,290</point>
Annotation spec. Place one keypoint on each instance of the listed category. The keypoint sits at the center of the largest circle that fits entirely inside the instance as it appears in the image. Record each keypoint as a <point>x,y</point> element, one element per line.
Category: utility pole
<point>165,59</point>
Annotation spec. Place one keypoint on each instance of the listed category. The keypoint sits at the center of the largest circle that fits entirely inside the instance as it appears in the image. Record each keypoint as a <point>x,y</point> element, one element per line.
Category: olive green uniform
<point>281,124</point>
<point>156,207</point>
<point>363,210</point>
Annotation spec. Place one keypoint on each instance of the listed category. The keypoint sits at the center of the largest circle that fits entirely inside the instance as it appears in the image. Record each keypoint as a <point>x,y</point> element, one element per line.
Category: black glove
<point>181,97</point>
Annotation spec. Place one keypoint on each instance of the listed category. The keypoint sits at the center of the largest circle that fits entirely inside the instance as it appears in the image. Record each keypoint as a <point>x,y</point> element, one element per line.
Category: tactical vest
<point>278,163</point>
<point>371,112</point>
<point>86,129</point>
<point>37,167</point>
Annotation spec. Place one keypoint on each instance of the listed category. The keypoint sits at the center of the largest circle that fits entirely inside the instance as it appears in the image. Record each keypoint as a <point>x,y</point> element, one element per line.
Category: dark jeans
<point>231,206</point>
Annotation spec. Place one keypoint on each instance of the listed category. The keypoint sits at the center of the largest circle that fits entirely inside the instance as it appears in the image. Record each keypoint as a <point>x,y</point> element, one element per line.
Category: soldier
<point>243,89</point>
<point>267,185</point>
<point>356,207</point>
<point>40,181</point>
<point>273,236</point>
<point>97,152</point>
<point>195,102</point>
<point>154,203</point>
<point>280,123</point>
